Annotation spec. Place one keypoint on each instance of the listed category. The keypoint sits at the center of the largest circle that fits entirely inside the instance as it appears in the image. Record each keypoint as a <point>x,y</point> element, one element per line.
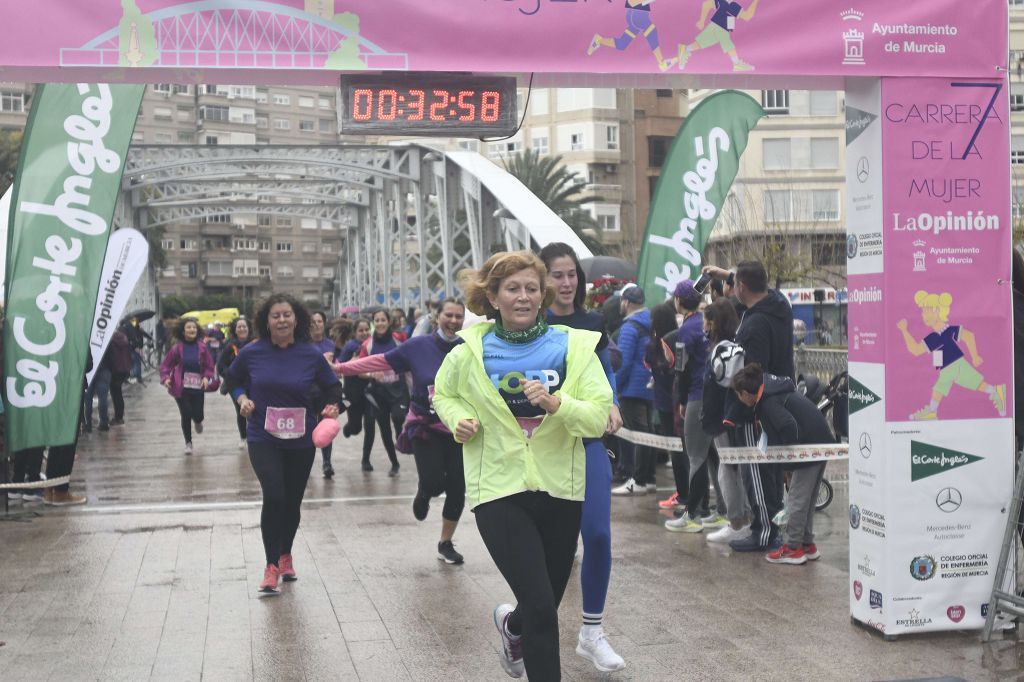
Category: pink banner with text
<point>44,39</point>
<point>946,215</point>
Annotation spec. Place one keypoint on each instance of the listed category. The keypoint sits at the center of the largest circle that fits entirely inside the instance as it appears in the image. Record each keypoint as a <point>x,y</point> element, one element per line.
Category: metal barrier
<point>822,363</point>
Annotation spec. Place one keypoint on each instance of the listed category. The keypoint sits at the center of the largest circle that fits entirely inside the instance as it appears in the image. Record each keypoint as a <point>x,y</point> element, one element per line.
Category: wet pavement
<point>155,579</point>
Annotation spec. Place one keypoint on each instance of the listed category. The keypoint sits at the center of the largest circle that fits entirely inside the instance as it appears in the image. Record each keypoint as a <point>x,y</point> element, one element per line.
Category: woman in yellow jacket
<point>521,396</point>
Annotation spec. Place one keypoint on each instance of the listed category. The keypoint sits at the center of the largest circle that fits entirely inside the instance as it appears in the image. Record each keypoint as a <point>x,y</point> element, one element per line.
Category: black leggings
<point>190,407</point>
<point>680,462</point>
<point>384,416</point>
<point>241,421</point>
<point>439,465</point>
<point>117,380</point>
<point>532,538</point>
<point>283,473</point>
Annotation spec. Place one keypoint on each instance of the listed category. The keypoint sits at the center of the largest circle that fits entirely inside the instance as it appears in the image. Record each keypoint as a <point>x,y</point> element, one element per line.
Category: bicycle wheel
<point>825,494</point>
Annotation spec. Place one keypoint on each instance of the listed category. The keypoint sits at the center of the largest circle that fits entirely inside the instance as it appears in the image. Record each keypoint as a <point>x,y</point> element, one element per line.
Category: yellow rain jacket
<point>500,460</point>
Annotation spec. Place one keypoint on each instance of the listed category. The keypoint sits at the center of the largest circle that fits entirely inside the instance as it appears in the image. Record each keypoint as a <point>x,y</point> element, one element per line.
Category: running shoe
<point>925,413</point>
<point>446,553</point>
<point>727,534</point>
<point>598,651</point>
<point>188,448</point>
<point>511,647</point>
<point>672,502</point>
<point>595,43</point>
<point>684,524</point>
<point>286,568</point>
<point>630,487</point>
<point>271,575</point>
<point>103,427</point>
<point>684,56</point>
<point>32,496</point>
<point>117,422</point>
<point>328,471</point>
<point>420,507</point>
<point>199,427</point>
<point>242,444</point>
<point>664,65</point>
<point>714,521</point>
<point>740,65</point>
<point>787,555</point>
<point>394,471</point>
<point>999,399</point>
<point>811,552</point>
<point>367,466</point>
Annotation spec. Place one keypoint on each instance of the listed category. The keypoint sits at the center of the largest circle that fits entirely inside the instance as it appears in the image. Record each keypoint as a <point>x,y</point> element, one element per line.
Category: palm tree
<point>560,189</point>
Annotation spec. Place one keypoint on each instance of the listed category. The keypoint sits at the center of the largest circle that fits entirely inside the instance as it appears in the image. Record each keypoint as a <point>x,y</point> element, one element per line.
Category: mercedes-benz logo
<point>949,500</point>
<point>863,169</point>
<point>865,445</point>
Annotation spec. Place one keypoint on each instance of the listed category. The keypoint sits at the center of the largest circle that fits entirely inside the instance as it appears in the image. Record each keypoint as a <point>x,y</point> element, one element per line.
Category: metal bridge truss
<point>410,219</point>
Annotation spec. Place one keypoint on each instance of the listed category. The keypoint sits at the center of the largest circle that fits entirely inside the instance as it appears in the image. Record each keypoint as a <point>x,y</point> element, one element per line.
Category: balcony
<point>228,281</point>
<point>218,229</point>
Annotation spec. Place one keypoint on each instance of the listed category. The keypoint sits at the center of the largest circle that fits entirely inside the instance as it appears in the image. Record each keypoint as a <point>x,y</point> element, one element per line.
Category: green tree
<point>561,190</point>
<point>10,147</point>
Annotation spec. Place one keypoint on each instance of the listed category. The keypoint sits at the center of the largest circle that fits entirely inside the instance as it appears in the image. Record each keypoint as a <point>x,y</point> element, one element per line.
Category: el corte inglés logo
<point>861,396</point>
<point>928,460</point>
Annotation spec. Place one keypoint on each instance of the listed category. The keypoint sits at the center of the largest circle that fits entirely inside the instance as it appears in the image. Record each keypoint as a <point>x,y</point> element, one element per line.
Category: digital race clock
<point>443,104</point>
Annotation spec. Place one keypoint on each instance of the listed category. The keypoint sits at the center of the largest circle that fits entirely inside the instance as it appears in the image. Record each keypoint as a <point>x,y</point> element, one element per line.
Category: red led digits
<point>418,105</point>
<point>438,107</point>
<point>387,105</point>
<point>362,104</point>
<point>490,106</point>
<point>467,106</point>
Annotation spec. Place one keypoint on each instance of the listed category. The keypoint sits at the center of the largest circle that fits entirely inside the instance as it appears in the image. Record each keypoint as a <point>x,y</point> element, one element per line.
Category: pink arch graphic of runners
<point>253,34</point>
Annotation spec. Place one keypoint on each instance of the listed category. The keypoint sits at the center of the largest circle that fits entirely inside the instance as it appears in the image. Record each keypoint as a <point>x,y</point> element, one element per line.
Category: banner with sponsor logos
<point>694,181</point>
<point>126,259</point>
<point>308,41</point>
<point>931,463</point>
<point>65,190</point>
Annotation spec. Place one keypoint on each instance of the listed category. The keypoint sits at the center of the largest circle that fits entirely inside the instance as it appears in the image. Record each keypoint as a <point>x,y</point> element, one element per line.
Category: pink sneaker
<point>672,502</point>
<point>811,552</point>
<point>284,565</point>
<point>271,574</point>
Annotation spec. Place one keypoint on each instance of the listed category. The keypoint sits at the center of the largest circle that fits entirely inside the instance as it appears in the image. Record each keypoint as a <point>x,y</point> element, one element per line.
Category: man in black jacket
<point>788,418</point>
<point>766,336</point>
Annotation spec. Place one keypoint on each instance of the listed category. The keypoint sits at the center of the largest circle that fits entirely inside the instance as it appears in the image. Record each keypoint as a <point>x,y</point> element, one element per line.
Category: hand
<point>330,412</point>
<point>166,382</point>
<point>614,419</point>
<point>245,406</point>
<point>206,382</point>
<point>902,325</point>
<point>537,393</point>
<point>329,356</point>
<point>681,410</point>
<point>466,430</point>
<point>716,272</point>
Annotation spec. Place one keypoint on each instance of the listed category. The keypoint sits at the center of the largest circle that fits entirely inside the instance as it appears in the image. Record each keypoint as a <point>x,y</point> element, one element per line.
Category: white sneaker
<point>598,651</point>
<point>727,534</point>
<point>511,647</point>
<point>188,448</point>
<point>630,487</point>
<point>242,444</point>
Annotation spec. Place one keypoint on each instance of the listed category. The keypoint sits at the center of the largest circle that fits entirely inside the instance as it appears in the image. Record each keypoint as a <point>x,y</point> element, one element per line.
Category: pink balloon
<point>325,432</point>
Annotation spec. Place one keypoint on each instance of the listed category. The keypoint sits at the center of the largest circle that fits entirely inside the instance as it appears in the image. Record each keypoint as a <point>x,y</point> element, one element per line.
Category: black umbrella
<point>141,315</point>
<point>597,267</point>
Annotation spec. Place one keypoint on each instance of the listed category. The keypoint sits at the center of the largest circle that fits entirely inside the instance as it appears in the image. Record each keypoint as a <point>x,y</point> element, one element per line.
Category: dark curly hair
<point>179,329</point>
<point>556,250</point>
<point>233,327</point>
<point>302,316</point>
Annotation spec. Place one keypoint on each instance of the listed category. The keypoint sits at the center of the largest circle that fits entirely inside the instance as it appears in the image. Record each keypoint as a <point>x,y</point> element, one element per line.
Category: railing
<point>822,363</point>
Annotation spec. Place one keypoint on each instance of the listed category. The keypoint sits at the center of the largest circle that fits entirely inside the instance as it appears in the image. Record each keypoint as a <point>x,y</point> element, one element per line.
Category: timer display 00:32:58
<point>473,106</point>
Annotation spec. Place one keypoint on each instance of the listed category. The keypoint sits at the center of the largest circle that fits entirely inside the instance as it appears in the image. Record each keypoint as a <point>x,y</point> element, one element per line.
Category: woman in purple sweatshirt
<point>438,457</point>
<point>273,380</point>
<point>186,372</point>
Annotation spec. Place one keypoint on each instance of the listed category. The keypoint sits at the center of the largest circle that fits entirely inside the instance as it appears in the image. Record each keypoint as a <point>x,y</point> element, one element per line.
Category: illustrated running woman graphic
<point>638,22</point>
<point>723,23</point>
<point>947,356</point>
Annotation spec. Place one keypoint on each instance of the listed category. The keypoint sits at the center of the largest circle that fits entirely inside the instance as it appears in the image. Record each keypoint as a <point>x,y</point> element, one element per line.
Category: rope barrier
<point>793,454</point>
<point>48,483</point>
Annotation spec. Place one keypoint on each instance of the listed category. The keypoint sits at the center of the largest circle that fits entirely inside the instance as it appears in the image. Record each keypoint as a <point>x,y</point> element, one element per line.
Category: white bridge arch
<point>410,217</point>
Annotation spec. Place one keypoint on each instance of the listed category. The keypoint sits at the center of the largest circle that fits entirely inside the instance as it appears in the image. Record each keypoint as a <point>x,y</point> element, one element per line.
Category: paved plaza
<point>156,580</point>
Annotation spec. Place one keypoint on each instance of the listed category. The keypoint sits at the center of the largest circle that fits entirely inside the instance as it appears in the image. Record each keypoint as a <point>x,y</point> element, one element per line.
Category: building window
<point>576,142</point>
<point>282,100</point>
<point>1017,156</point>
<point>824,152</point>
<point>167,244</point>
<point>327,273</point>
<point>264,245</point>
<point>243,244</point>
<point>825,205</point>
<point>283,221</point>
<point>282,124</point>
<point>180,89</point>
<point>311,273</point>
<point>242,92</point>
<point>326,248</point>
<point>657,150</point>
<point>540,144</point>
<point>661,92</point>
<point>263,220</point>
<point>262,122</point>
<point>264,271</point>
<point>775,101</point>
<point>827,250</point>
<point>612,137</point>
<point>219,268</point>
<point>323,102</point>
<point>539,102</point>
<point>186,113</point>
<point>261,96</point>
<point>499,149</point>
<point>308,247</point>
<point>190,270</point>
<point>285,271</point>
<point>12,102</point>
<point>187,244</point>
<point>326,125</point>
<point>214,113</point>
<point>163,138</point>
<point>185,137</point>
<point>169,271</point>
<point>284,247</point>
<point>776,154</point>
<point>222,218</point>
<point>306,126</point>
<point>138,137</point>
<point>778,206</point>
<point>242,115</point>
<point>823,103</point>
<point>306,102</point>
<point>162,87</point>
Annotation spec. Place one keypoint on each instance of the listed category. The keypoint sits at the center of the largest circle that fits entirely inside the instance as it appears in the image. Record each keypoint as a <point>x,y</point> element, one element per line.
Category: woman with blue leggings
<point>567,274</point>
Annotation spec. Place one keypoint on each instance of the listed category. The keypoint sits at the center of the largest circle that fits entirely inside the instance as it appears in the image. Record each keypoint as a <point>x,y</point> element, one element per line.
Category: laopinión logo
<point>922,567</point>
<point>854,516</point>
<point>875,599</point>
